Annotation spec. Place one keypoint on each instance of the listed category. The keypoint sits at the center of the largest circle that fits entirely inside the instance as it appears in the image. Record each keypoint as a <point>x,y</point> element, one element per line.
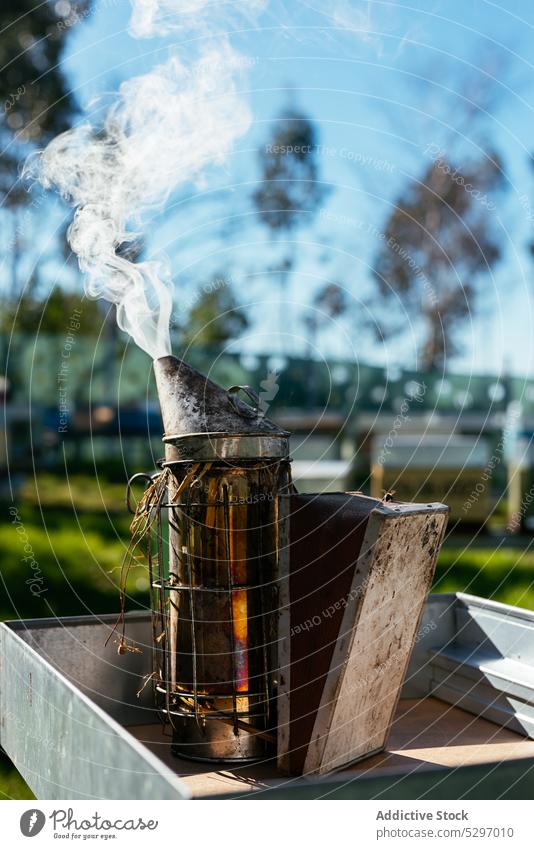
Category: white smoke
<point>162,130</point>
<point>160,17</point>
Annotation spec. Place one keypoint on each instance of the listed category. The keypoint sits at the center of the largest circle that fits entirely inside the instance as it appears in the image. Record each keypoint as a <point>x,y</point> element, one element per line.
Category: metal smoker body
<point>215,600</point>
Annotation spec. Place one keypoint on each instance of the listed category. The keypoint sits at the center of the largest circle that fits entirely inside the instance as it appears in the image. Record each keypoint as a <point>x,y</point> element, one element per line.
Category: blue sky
<point>382,81</point>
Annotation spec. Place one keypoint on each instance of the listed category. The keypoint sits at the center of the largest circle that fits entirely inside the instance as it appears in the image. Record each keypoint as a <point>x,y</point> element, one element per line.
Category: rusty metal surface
<point>212,595</point>
<point>225,464</point>
<point>217,610</point>
<point>477,654</point>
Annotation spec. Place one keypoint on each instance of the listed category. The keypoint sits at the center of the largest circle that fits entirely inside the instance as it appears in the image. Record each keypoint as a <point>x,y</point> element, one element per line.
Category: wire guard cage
<point>214,606</point>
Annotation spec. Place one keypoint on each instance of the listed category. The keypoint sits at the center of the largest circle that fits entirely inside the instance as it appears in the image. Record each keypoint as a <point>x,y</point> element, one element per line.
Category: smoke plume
<point>162,130</point>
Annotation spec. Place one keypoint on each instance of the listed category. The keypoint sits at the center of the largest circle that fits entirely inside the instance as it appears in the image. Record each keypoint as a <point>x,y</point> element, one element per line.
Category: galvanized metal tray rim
<point>84,619</point>
<point>498,607</point>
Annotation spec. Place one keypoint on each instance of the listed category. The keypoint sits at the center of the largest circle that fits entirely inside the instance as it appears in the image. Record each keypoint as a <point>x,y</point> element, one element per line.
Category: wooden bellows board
<point>354,576</point>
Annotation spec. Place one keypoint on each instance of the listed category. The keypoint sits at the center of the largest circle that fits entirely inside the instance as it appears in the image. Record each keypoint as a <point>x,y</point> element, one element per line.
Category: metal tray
<point>72,722</point>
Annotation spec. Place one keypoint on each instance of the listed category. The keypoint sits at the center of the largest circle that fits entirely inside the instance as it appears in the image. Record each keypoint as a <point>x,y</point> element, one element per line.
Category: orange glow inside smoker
<point>238,552</point>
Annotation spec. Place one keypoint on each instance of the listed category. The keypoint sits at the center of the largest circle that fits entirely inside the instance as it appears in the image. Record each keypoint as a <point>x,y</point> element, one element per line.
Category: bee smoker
<point>214,597</point>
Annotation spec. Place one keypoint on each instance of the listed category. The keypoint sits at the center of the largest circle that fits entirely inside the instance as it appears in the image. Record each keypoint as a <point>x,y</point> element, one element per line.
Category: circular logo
<point>32,822</point>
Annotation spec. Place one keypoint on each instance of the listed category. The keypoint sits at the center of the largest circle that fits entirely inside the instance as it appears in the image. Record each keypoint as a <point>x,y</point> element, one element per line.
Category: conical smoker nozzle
<point>202,420</point>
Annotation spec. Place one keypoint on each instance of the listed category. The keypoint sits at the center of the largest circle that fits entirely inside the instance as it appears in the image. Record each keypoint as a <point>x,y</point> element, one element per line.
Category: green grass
<point>82,492</point>
<point>76,559</point>
<point>78,531</point>
<point>12,784</point>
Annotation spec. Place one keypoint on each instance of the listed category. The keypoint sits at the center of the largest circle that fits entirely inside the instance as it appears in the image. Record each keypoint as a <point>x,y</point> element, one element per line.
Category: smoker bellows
<point>282,623</point>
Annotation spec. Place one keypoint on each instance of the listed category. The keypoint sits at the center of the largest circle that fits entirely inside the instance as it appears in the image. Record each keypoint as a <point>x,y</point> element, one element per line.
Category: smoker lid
<point>192,404</point>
